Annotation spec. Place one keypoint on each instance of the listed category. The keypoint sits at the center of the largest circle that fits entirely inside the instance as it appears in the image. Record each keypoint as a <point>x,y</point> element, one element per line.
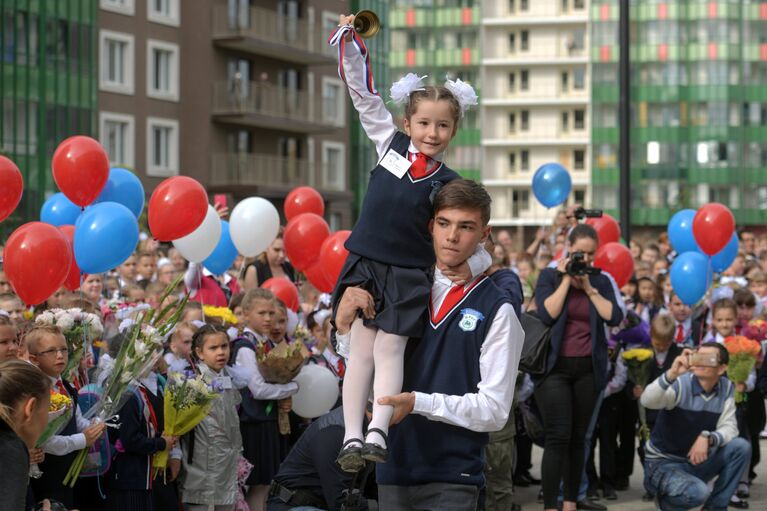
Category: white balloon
<point>317,391</point>
<point>200,243</point>
<point>253,225</point>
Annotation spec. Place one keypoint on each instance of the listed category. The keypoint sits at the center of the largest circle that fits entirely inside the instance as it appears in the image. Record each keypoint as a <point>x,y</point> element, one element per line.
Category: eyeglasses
<point>54,352</point>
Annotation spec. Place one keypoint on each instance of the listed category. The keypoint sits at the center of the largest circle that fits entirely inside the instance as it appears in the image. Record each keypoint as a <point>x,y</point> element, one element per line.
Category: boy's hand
<point>36,456</point>
<point>346,20</point>
<point>285,405</point>
<point>403,405</point>
<point>170,441</point>
<point>353,300</point>
<point>459,275</point>
<point>93,432</point>
<point>638,389</point>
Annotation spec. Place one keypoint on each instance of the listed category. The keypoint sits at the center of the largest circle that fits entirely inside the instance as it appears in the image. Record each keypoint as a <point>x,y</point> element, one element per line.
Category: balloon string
<point>199,291</point>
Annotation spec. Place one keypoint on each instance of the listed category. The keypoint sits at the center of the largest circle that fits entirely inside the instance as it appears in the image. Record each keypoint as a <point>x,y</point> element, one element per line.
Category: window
<point>162,147</point>
<point>512,82</point>
<point>162,72</point>
<point>336,221</point>
<point>579,158</point>
<point>166,12</point>
<point>524,80</point>
<point>334,165</point>
<point>19,121</point>
<point>524,5</point>
<point>565,81</point>
<point>117,135</point>
<point>512,7</point>
<point>524,159</point>
<point>579,119</point>
<point>579,78</point>
<point>333,101</point>
<point>126,7</point>
<point>579,196</point>
<point>116,62</point>
<point>525,120</point>
<point>512,42</point>
<point>565,5</point>
<point>524,40</point>
<point>512,162</point>
<point>565,121</point>
<point>512,122</point>
<point>579,4</point>
<point>520,201</point>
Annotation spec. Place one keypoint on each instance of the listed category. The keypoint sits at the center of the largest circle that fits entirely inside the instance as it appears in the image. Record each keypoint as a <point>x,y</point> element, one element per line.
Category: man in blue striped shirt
<point>695,436</point>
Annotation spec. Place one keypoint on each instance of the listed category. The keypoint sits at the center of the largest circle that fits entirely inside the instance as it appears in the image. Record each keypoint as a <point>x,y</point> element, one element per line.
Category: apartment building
<point>535,104</point>
<point>242,95</point>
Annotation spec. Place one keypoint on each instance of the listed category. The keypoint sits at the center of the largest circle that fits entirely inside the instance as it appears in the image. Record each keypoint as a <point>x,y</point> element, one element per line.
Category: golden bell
<point>366,24</point>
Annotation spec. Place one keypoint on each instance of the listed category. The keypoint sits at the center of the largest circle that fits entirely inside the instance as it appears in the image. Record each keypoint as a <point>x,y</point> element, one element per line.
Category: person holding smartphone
<point>695,438</point>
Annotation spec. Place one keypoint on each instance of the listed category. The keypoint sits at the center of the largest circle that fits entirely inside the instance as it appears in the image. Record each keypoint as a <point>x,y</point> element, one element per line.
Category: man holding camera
<point>695,435</point>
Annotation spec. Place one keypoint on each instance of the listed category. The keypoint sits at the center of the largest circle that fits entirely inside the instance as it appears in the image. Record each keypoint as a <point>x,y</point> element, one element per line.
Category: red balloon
<point>36,260</point>
<point>303,199</point>
<point>303,239</point>
<point>607,228</point>
<point>11,187</point>
<point>177,207</point>
<point>616,260</point>
<point>712,227</point>
<point>80,169</point>
<point>333,255</point>
<point>319,277</point>
<point>73,278</point>
<point>285,290</point>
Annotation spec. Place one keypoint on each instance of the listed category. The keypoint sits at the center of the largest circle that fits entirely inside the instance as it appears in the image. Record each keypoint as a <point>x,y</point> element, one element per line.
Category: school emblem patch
<point>470,319</point>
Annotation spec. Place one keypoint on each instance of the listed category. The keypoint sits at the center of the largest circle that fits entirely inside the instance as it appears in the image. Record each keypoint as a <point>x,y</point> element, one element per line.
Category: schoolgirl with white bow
<point>390,248</point>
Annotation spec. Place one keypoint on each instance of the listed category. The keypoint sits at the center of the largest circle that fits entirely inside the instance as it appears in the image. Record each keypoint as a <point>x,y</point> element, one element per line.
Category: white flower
<point>46,318</point>
<point>463,92</point>
<point>402,88</point>
<point>65,322</point>
<point>126,377</point>
<point>141,349</point>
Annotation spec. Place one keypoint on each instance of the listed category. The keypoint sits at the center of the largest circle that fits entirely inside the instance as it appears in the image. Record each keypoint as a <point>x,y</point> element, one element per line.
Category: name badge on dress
<point>395,163</point>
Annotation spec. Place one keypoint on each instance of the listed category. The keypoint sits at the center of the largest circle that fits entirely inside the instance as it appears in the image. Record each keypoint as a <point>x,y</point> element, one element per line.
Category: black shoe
<point>350,458</point>
<point>520,481</point>
<point>609,494</point>
<point>647,497</point>
<point>590,506</point>
<point>739,504</point>
<point>592,494</point>
<point>374,452</point>
<point>743,491</point>
<point>540,495</point>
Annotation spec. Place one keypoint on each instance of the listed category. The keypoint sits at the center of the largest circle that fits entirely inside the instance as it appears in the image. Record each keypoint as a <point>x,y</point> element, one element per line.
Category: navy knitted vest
<point>251,410</point>
<point>446,361</point>
<point>393,227</point>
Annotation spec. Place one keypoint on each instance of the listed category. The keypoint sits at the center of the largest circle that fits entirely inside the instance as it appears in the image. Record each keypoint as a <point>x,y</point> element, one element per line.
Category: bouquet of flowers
<point>639,367</point>
<point>136,358</point>
<point>187,402</point>
<point>280,365</point>
<point>59,414</point>
<point>756,330</point>
<point>744,353</point>
<point>631,332</point>
<point>79,329</point>
<point>222,314</point>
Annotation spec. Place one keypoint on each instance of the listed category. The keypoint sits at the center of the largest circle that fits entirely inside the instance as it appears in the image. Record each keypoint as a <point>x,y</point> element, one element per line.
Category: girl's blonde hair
<point>19,381</point>
<point>433,93</point>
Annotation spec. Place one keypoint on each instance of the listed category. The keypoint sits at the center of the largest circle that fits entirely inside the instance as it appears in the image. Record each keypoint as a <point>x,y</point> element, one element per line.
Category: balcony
<point>275,174</point>
<point>264,32</point>
<point>272,107</point>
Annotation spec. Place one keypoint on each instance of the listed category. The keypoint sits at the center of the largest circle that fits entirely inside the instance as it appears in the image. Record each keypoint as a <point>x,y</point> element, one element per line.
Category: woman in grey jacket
<point>212,450</point>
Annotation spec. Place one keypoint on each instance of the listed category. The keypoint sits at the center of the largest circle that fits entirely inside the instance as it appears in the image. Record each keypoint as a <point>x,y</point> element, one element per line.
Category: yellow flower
<point>226,315</point>
<point>638,354</point>
<point>58,402</point>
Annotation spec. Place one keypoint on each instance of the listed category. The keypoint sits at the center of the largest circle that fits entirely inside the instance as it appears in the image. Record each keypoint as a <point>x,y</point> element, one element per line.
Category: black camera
<point>580,213</point>
<point>578,266</point>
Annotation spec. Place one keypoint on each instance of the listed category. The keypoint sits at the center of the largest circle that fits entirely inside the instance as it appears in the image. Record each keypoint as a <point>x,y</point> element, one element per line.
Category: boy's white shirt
<point>487,409</point>
<point>59,445</point>
<point>379,126</point>
<point>258,387</point>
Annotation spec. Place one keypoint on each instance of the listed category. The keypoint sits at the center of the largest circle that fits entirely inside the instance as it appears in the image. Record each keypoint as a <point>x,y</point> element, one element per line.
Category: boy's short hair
<point>724,303</point>
<point>744,298</point>
<point>759,277</point>
<point>256,294</point>
<point>36,334</point>
<point>155,288</point>
<point>75,302</point>
<point>464,194</point>
<point>662,328</point>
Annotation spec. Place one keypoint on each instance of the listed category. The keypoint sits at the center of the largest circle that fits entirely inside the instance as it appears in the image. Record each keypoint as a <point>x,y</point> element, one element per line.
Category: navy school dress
<point>390,248</point>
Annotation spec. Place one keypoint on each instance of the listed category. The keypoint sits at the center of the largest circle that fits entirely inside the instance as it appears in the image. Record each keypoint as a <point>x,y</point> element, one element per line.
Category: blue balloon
<point>690,277</point>
<point>725,257</point>
<point>224,254</point>
<point>680,232</point>
<point>123,187</point>
<point>551,184</point>
<point>58,210</point>
<point>105,236</point>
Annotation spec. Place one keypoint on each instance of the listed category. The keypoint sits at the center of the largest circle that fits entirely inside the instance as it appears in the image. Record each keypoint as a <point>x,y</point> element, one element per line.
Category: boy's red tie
<point>453,297</point>
<point>679,334</point>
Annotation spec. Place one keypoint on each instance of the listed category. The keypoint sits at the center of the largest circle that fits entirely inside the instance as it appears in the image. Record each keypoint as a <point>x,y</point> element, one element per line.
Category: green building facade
<point>440,38</point>
<point>48,88</point>
<point>698,107</point>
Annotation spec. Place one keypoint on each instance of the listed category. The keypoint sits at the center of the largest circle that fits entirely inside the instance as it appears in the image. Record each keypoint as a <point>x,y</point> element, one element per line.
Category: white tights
<point>378,357</point>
